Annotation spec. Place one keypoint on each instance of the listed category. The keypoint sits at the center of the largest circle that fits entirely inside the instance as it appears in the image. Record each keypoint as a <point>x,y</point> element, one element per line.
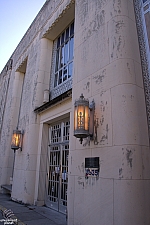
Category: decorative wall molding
<point>59,17</point>
<point>7,67</point>
<point>138,7</point>
<point>4,85</point>
<point>59,90</point>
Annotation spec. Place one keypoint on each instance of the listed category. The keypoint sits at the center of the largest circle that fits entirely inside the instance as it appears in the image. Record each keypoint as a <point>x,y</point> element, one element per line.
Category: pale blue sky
<point>15,18</point>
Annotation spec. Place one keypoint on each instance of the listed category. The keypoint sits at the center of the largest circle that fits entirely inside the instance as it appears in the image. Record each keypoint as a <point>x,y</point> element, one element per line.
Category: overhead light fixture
<point>83,118</point>
<point>16,141</point>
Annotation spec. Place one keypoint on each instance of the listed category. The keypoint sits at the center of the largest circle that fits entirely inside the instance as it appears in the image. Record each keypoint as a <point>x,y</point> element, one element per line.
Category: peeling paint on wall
<point>118,41</point>
<point>129,158</point>
<point>28,160</point>
<point>104,137</point>
<point>25,187</point>
<point>120,171</point>
<point>80,182</point>
<point>99,78</point>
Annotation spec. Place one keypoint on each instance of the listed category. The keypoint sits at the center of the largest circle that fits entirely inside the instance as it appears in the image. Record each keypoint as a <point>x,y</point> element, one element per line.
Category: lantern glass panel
<point>86,117</point>
<point>75,118</point>
<point>16,140</point>
<point>81,115</point>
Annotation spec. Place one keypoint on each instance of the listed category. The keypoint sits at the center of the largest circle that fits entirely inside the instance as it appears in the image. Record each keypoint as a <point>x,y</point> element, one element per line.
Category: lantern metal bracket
<point>94,137</point>
<point>96,125</point>
<point>21,143</point>
<point>91,119</point>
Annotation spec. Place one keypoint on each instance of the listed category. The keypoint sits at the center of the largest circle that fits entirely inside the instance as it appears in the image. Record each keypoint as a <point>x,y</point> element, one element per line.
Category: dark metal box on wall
<point>91,167</point>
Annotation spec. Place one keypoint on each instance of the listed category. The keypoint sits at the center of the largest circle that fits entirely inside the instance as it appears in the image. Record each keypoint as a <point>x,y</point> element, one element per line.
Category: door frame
<point>61,143</point>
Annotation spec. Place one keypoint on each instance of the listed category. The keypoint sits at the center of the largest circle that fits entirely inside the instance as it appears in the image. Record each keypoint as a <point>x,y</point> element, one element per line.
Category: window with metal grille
<point>56,133</point>
<point>64,56</point>
<point>59,132</point>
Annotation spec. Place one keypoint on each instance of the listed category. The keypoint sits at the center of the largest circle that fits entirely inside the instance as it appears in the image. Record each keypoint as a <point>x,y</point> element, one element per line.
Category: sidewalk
<point>29,215</point>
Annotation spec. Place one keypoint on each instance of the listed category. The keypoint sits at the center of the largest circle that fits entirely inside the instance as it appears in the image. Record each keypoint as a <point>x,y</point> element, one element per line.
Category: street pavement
<point>28,215</point>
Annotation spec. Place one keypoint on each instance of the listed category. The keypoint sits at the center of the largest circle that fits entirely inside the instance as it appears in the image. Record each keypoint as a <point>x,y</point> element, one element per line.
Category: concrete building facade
<point>98,48</point>
<point>146,9</point>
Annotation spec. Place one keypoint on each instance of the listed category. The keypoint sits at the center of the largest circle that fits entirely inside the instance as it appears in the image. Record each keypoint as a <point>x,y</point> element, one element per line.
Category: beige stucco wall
<point>36,80</point>
<point>30,76</point>
<point>108,70</point>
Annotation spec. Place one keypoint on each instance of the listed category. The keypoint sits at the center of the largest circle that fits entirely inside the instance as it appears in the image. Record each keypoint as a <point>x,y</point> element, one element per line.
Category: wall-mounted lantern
<point>16,141</point>
<point>83,118</point>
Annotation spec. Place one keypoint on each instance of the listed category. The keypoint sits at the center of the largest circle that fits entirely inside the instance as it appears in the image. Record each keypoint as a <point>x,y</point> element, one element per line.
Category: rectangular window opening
<point>64,56</point>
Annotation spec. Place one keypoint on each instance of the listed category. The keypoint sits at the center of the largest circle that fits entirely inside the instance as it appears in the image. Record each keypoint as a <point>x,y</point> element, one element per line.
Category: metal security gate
<point>58,165</point>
